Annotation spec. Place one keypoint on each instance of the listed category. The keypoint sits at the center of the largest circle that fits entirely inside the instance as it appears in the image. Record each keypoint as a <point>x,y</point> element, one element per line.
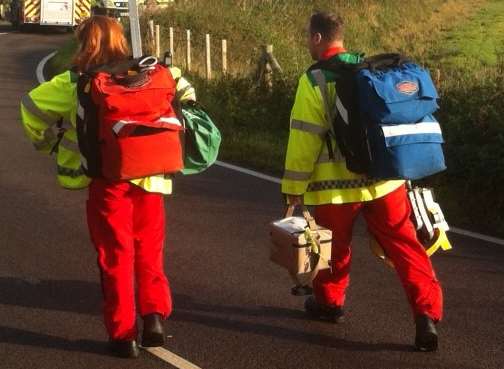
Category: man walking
<point>316,175</point>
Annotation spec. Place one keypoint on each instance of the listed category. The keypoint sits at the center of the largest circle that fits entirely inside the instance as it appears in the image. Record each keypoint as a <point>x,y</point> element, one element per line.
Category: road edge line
<point>170,358</point>
<point>250,172</point>
<point>268,178</point>
<point>40,67</point>
<point>476,235</point>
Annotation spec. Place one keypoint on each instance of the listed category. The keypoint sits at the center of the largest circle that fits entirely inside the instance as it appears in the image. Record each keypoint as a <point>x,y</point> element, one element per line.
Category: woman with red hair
<point>126,218</point>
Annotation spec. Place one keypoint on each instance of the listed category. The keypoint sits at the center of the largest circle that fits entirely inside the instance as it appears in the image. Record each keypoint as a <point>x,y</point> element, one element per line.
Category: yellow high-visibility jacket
<point>56,100</point>
<point>309,170</point>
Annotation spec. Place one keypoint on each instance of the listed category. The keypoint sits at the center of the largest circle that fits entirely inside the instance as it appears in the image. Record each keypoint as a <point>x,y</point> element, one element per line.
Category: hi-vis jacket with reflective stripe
<point>309,170</point>
<point>56,101</point>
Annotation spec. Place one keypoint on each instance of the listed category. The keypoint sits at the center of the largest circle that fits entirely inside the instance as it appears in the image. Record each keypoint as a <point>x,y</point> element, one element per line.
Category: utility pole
<point>136,37</point>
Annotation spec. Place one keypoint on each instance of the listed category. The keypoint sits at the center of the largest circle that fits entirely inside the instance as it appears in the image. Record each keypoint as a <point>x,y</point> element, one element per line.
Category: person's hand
<point>295,199</point>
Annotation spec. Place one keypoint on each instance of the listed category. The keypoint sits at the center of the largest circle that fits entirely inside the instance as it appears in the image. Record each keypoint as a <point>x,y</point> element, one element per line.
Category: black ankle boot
<point>124,348</point>
<point>153,332</point>
<point>426,334</point>
<point>333,314</point>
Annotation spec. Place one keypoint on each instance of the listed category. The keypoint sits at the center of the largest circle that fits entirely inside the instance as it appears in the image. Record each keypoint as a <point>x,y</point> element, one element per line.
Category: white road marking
<point>249,172</point>
<point>171,358</point>
<point>268,178</point>
<point>478,236</point>
<point>4,33</point>
<point>40,67</point>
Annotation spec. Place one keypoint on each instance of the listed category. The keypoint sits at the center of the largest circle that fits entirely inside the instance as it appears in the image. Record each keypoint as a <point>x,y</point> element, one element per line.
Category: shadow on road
<point>72,296</point>
<point>27,338</point>
<point>187,310</point>
<point>84,298</point>
<point>286,333</point>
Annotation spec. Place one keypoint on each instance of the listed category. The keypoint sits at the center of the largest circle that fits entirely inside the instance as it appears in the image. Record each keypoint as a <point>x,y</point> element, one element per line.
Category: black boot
<point>153,332</point>
<point>426,335</point>
<point>333,314</point>
<point>126,349</point>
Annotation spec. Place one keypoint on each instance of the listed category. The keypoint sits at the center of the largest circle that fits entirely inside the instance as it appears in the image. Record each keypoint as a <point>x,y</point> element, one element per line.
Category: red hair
<point>101,41</point>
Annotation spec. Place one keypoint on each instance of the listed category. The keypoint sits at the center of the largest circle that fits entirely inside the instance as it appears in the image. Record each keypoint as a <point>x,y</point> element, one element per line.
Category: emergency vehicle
<point>65,13</point>
<point>119,8</point>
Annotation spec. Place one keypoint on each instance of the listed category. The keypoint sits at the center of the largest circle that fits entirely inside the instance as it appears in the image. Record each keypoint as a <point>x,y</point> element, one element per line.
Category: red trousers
<point>127,228</point>
<point>388,220</point>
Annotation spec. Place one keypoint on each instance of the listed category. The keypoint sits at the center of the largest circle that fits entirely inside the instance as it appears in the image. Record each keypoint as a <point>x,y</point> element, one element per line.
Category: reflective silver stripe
<point>411,129</point>
<point>341,184</point>
<point>69,144</point>
<point>341,110</point>
<point>308,127</point>
<point>80,111</point>
<point>29,105</point>
<point>170,120</point>
<point>84,163</point>
<point>321,82</point>
<point>297,176</point>
<point>119,125</point>
<point>324,157</point>
<point>40,145</point>
<point>69,172</point>
<point>49,139</point>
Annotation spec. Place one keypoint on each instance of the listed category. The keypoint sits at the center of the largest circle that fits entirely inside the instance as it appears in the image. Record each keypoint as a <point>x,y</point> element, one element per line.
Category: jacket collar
<point>332,51</point>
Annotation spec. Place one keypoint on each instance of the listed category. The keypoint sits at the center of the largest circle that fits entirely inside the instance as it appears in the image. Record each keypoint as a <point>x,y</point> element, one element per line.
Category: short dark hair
<point>330,26</point>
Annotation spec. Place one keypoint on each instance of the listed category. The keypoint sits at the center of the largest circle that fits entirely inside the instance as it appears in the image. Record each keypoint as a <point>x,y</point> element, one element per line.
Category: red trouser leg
<point>154,294</point>
<point>330,285</point>
<point>388,220</point>
<point>116,232</point>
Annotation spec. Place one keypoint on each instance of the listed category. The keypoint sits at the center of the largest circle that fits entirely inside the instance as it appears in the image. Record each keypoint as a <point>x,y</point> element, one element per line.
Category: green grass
<point>62,60</point>
<point>477,43</point>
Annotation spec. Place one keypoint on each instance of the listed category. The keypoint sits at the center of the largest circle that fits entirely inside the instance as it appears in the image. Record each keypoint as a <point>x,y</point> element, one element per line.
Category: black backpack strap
<point>87,128</point>
<point>384,61</point>
<point>59,136</point>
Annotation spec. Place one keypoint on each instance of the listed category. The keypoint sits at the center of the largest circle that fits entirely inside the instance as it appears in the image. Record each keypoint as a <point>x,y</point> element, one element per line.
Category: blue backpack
<point>383,120</point>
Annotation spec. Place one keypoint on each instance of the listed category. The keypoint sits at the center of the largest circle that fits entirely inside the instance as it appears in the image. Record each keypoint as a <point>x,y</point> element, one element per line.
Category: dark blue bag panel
<point>397,95</point>
<point>408,151</point>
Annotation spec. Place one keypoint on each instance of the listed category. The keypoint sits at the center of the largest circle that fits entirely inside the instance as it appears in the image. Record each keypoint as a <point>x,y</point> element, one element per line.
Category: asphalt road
<point>233,309</point>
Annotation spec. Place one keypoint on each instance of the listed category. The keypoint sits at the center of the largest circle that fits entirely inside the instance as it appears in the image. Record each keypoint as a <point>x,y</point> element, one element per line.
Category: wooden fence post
<point>188,50</point>
<point>158,41</point>
<point>171,44</point>
<point>152,37</point>
<point>272,60</point>
<point>268,70</point>
<point>266,66</point>
<point>208,58</point>
<point>438,78</point>
<point>224,57</point>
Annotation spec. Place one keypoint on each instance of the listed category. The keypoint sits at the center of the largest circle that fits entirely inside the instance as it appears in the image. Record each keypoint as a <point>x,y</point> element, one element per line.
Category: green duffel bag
<point>202,139</point>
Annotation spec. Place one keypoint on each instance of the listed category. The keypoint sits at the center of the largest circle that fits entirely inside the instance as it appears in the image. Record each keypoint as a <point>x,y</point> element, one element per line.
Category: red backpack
<point>127,127</point>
